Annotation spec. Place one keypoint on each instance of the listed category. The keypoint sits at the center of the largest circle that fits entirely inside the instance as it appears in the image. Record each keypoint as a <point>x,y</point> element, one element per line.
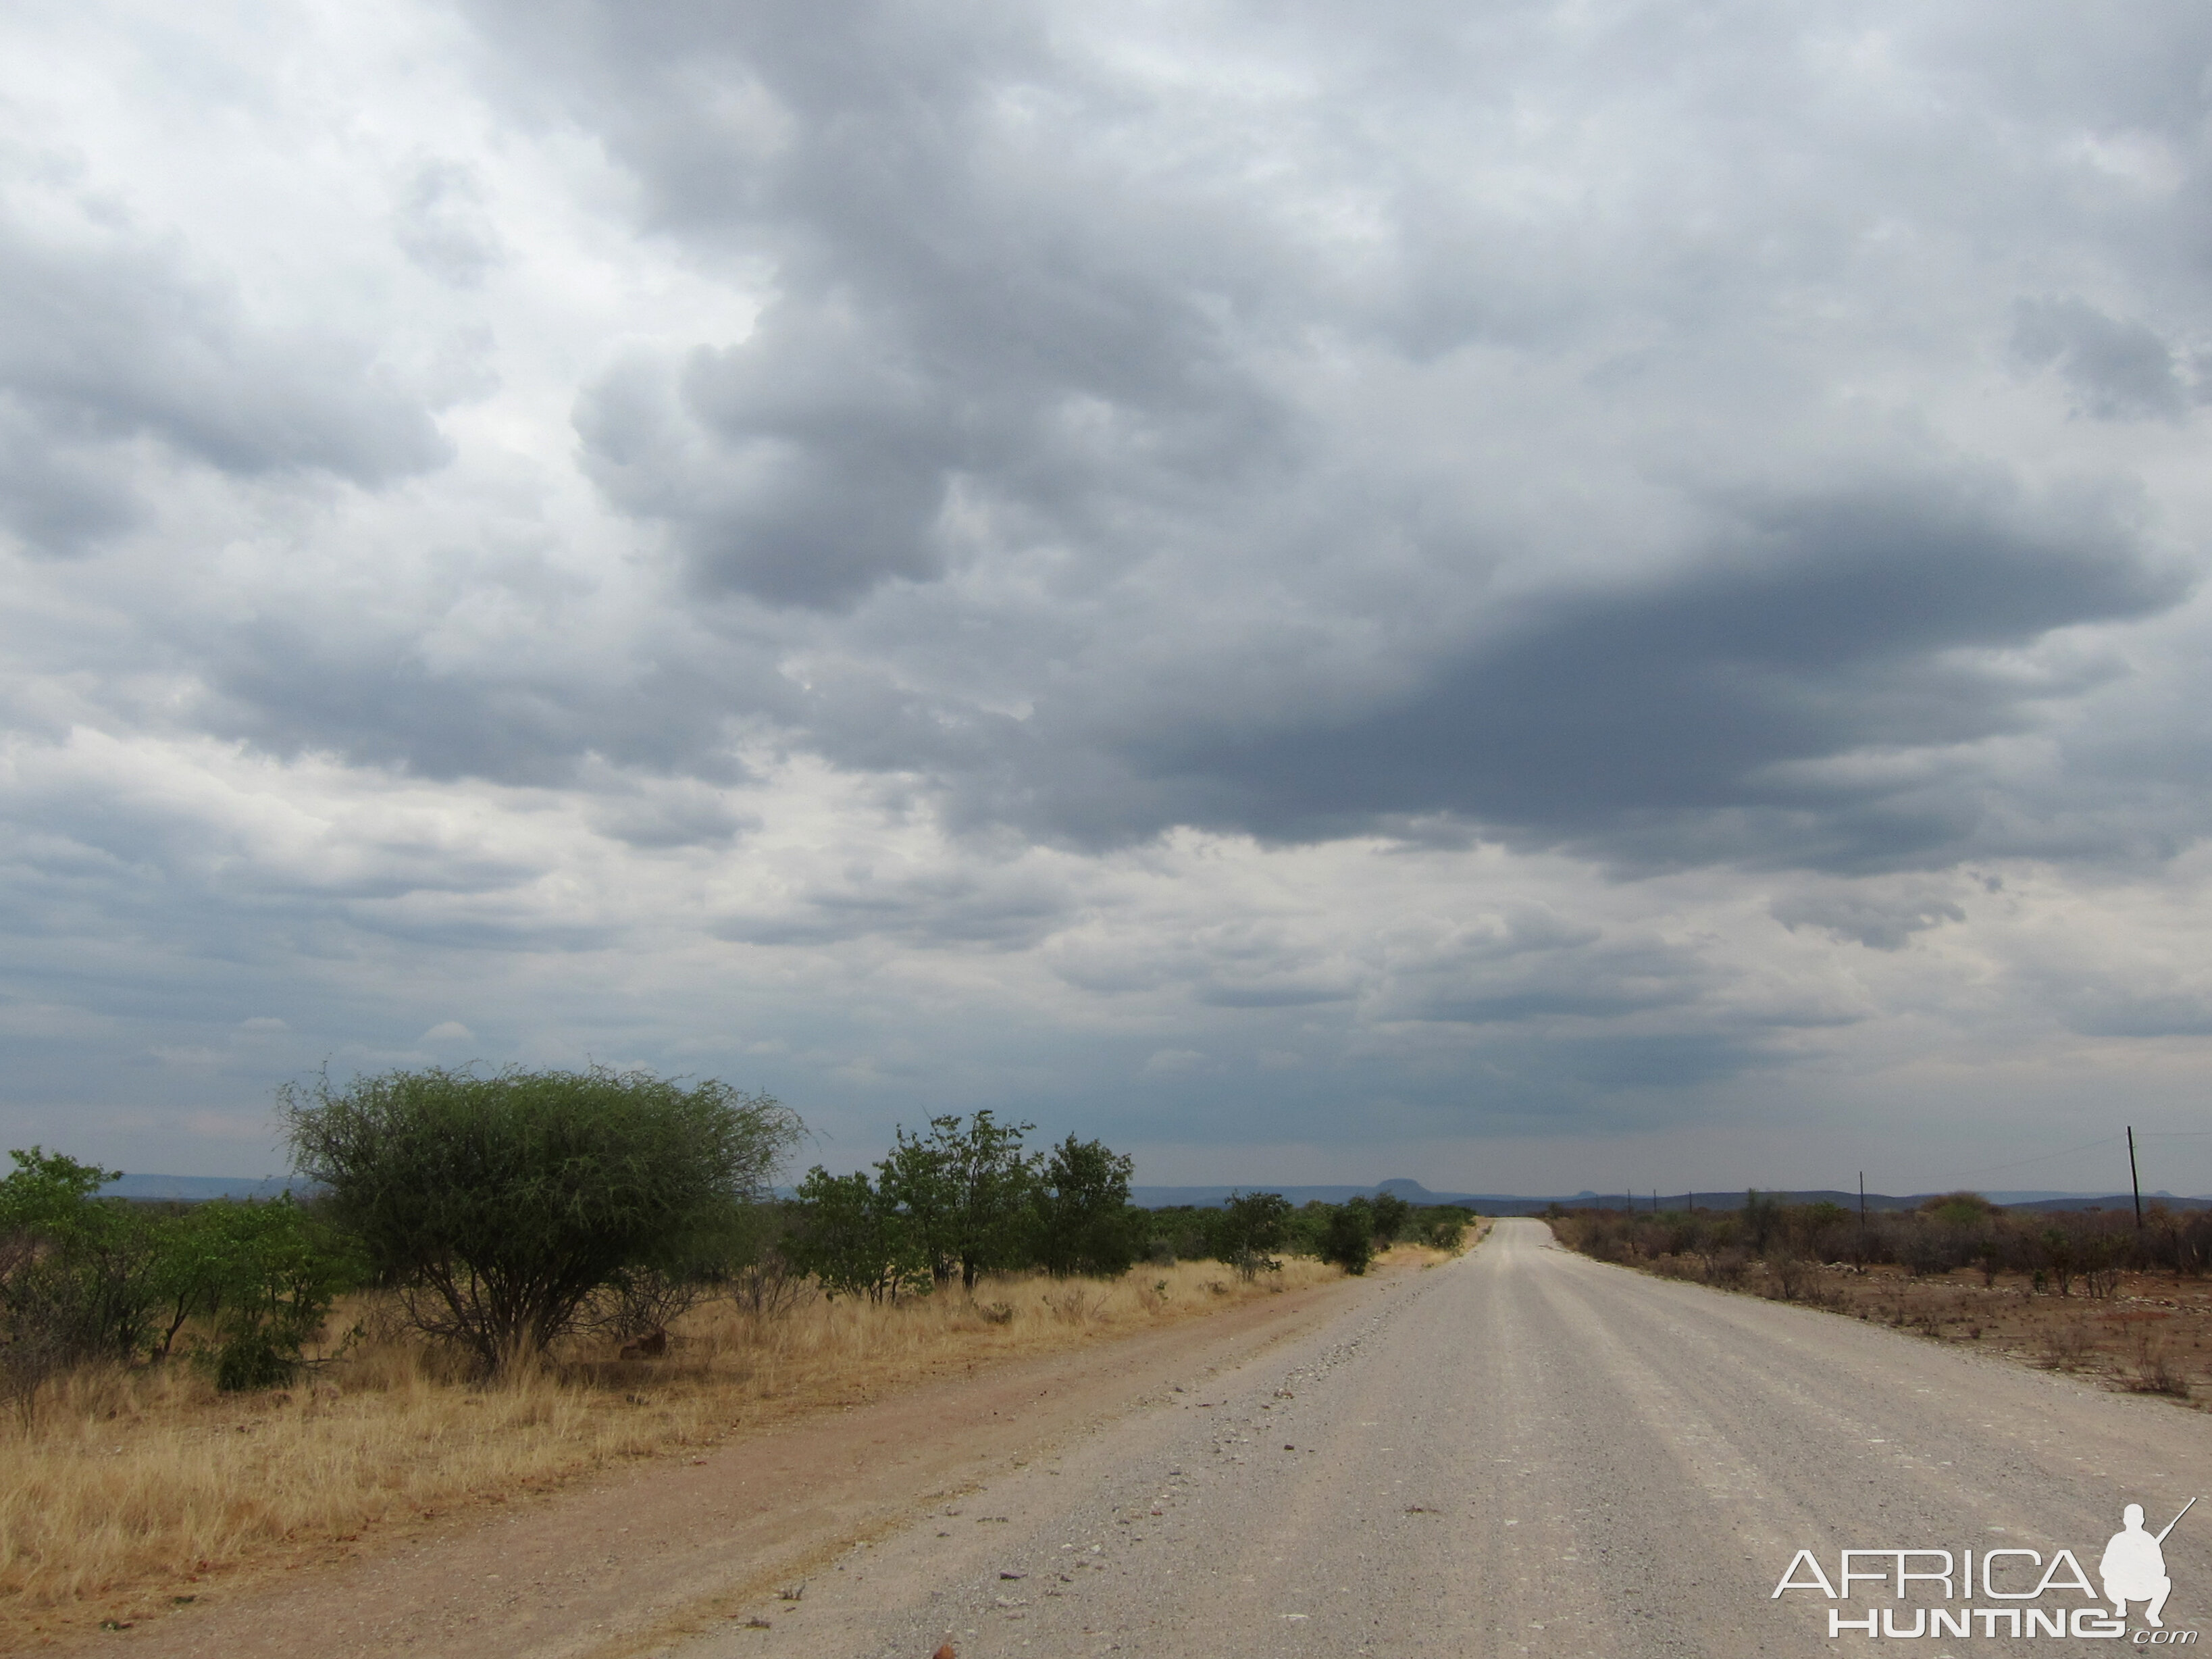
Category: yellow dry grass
<point>131,1488</point>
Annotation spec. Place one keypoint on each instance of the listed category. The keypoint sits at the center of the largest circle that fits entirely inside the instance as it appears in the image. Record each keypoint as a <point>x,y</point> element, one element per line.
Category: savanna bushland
<point>496,1282</point>
<point>2090,1290</point>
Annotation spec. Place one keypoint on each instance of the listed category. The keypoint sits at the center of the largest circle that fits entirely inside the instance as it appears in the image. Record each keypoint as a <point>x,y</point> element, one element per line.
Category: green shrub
<point>1248,1229</point>
<point>253,1360</point>
<point>264,1274</point>
<point>1349,1238</point>
<point>84,1277</point>
<point>850,1235</point>
<point>1391,1214</point>
<point>500,1206</point>
<point>79,1274</point>
<point>1443,1228</point>
<point>966,1191</point>
<point>1083,1221</point>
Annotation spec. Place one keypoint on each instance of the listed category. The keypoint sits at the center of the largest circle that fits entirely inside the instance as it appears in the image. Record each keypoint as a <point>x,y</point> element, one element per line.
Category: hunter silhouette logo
<point>2132,1570</point>
<point>2133,1566</point>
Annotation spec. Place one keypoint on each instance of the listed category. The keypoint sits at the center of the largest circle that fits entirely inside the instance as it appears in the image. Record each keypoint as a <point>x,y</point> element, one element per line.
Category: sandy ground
<point>1526,1452</point>
<point>625,1565</point>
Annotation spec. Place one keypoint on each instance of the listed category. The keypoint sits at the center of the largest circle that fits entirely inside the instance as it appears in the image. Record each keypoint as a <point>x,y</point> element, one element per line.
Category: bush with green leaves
<point>1177,1232</point>
<point>1248,1229</point>
<point>77,1272</point>
<point>1442,1226</point>
<point>966,1191</point>
<point>56,1245</point>
<point>763,1278</point>
<point>1348,1238</point>
<point>1392,1216</point>
<point>735,1252</point>
<point>500,1206</point>
<point>1083,1221</point>
<point>262,1276</point>
<point>85,1278</point>
<point>849,1233</point>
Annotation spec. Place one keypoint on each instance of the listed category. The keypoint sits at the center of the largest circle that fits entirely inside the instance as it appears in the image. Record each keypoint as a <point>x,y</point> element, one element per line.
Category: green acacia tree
<point>1084,1223</point>
<point>502,1203</point>
<point>1248,1230</point>
<point>965,1190</point>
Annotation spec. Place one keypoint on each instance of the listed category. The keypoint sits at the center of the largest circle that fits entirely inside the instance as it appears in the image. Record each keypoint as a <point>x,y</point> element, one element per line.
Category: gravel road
<point>1524,1452</point>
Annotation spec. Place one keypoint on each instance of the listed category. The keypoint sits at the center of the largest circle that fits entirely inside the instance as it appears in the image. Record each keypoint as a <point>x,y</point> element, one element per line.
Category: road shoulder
<point>666,1550</point>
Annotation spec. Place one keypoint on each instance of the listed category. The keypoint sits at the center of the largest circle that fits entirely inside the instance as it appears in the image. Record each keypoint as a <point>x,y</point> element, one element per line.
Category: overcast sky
<point>1532,596</point>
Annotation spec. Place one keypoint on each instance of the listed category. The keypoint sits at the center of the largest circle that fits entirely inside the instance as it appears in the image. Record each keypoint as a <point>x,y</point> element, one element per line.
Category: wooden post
<point>2135,1180</point>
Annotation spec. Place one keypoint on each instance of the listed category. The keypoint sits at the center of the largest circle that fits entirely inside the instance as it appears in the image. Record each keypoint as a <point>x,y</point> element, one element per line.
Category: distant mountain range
<point>1160,1197</point>
<point>193,1189</point>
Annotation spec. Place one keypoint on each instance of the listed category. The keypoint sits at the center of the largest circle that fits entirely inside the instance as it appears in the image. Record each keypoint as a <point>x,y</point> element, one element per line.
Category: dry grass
<point>2148,1333</point>
<point>132,1488</point>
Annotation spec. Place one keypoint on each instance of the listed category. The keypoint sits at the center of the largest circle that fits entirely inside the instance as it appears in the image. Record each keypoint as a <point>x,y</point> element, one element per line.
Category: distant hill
<point>2118,1201</point>
<point>1874,1201</point>
<point>1206,1198</point>
<point>191,1189</point>
<point>1160,1197</point>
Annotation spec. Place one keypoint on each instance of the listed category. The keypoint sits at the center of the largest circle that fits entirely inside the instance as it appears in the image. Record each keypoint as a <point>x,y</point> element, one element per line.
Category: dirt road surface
<point>1526,1453</point>
<point>1520,1452</point>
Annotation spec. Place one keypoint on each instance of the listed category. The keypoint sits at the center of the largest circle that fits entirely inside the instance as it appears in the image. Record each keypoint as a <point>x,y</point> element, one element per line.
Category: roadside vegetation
<point>504,1282</point>
<point>2086,1291</point>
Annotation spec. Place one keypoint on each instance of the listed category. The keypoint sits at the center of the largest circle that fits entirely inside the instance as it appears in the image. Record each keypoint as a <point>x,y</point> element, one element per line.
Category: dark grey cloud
<point>1024,326</point>
<point>962,327</point>
<point>1003,908</point>
<point>1607,1082</point>
<point>1291,995</point>
<point>2117,370</point>
<point>800,472</point>
<point>1526,965</point>
<point>373,696</point>
<point>1624,721</point>
<point>105,338</point>
<point>1676,717</point>
<point>1879,920</point>
<point>58,497</point>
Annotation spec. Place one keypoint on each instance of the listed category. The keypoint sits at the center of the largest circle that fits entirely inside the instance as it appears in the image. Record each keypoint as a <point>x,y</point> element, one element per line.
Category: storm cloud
<point>1279,579</point>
